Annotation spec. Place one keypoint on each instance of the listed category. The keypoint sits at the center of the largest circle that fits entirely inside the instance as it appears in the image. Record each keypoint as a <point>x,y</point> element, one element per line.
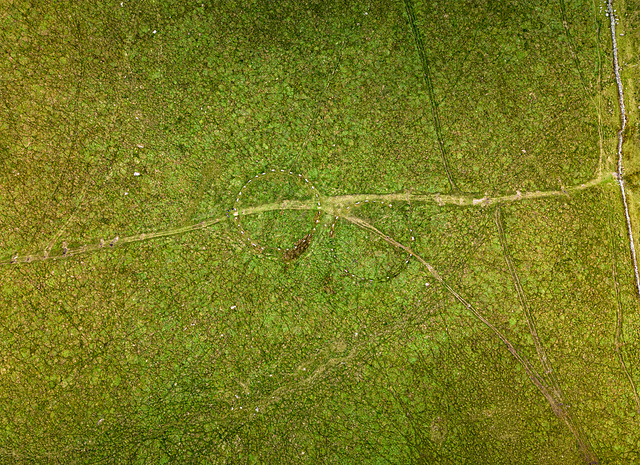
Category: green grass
<point>198,348</point>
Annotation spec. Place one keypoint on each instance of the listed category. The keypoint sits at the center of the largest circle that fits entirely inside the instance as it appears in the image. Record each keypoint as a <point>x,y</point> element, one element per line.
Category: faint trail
<point>574,55</point>
<point>599,102</point>
<point>576,60</point>
<point>559,409</point>
<point>292,165</point>
<point>623,115</point>
<point>619,317</point>
<point>429,83</point>
<point>54,239</point>
<point>542,356</point>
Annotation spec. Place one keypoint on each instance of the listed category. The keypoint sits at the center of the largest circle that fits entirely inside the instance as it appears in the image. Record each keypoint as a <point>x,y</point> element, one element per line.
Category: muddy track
<point>336,206</point>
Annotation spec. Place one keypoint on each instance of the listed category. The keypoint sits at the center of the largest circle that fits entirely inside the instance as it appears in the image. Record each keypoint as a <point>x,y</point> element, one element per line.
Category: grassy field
<point>433,268</point>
